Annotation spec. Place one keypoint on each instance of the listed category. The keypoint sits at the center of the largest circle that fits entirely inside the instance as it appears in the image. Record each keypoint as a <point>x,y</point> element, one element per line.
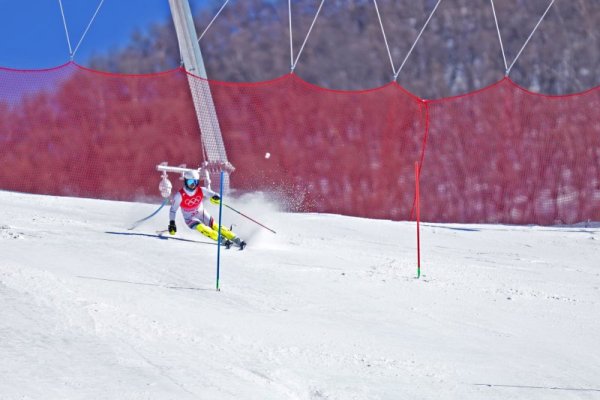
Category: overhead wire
<point>529,38</point>
<point>291,33</point>
<point>62,12</point>
<point>88,26</point>
<point>499,37</point>
<point>417,39</point>
<point>385,38</point>
<point>308,34</point>
<point>213,20</point>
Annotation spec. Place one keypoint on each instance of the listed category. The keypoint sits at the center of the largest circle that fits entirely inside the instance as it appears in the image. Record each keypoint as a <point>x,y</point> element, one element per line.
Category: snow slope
<point>328,308</point>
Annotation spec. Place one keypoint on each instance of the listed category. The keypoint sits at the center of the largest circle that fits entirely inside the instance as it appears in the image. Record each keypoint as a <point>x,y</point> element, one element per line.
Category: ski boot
<point>239,243</point>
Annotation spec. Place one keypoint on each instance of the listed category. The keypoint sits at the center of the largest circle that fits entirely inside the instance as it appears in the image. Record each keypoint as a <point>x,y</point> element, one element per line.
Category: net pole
<point>418,217</point>
<point>219,237</point>
<point>204,106</point>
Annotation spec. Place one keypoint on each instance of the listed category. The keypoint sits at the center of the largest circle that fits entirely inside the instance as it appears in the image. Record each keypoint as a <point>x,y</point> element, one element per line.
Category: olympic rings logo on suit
<point>193,201</point>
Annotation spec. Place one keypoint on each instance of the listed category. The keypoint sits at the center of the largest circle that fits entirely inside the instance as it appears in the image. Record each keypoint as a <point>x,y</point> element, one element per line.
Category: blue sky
<point>32,34</point>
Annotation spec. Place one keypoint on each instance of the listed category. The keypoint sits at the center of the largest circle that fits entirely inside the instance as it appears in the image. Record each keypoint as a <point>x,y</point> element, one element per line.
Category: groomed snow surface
<point>327,308</point>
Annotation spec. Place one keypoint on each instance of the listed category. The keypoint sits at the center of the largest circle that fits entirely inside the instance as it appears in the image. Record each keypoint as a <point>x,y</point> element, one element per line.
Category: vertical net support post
<point>219,237</point>
<point>212,139</point>
<point>418,218</point>
<point>210,130</point>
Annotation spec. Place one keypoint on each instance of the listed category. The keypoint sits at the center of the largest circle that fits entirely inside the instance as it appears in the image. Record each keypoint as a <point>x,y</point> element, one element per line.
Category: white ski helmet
<point>191,179</point>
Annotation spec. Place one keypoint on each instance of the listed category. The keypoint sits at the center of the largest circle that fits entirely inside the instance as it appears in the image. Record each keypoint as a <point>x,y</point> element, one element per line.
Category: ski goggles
<point>191,182</point>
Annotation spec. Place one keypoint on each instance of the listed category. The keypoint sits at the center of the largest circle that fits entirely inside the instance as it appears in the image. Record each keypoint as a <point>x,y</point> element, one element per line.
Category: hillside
<point>328,308</point>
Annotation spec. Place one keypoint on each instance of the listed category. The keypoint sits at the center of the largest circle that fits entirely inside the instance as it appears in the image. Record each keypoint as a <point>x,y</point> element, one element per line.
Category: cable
<point>88,27</point>
<point>213,20</point>
<point>529,38</point>
<point>499,37</point>
<point>418,37</point>
<point>308,34</point>
<point>385,38</point>
<point>291,41</point>
<point>66,30</point>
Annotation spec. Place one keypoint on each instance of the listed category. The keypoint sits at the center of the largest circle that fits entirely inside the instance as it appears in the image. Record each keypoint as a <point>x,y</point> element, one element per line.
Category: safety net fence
<point>501,154</point>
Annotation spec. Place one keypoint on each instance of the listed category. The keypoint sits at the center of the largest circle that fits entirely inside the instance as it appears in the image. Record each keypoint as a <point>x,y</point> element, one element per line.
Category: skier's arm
<point>175,206</point>
<point>207,192</point>
<point>214,197</point>
<point>173,212</point>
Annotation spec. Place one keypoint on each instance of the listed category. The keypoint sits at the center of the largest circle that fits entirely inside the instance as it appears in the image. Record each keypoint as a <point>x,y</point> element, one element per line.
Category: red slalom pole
<point>418,213</point>
<point>220,235</point>
<point>253,220</point>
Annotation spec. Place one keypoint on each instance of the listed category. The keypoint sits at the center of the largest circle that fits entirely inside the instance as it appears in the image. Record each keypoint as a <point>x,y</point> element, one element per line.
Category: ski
<point>163,234</point>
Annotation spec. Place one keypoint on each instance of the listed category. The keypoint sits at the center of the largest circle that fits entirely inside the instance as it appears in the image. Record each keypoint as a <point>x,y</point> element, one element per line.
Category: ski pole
<point>139,222</point>
<point>244,215</point>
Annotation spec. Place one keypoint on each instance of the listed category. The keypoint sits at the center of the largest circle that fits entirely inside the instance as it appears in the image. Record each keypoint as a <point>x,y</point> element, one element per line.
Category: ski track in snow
<point>329,308</point>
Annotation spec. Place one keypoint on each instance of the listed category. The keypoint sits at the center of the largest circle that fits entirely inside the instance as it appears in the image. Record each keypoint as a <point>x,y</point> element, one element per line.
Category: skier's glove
<point>215,199</point>
<point>172,227</point>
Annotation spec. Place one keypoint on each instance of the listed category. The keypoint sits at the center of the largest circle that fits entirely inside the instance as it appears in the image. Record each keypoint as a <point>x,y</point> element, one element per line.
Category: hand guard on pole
<point>215,199</point>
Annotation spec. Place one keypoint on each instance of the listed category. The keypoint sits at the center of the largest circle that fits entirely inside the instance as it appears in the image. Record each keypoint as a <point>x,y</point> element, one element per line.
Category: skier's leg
<point>224,231</point>
<point>209,221</point>
<point>214,235</point>
<point>229,235</point>
<point>199,222</point>
<point>205,224</point>
<point>206,231</point>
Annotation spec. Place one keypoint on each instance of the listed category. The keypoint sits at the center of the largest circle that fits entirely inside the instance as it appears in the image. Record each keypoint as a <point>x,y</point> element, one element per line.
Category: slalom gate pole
<point>418,215</point>
<point>219,237</point>
<point>244,215</point>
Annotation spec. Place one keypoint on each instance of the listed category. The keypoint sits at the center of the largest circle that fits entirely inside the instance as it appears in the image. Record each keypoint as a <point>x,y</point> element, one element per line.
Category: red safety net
<point>499,155</point>
<point>75,132</point>
<point>510,156</point>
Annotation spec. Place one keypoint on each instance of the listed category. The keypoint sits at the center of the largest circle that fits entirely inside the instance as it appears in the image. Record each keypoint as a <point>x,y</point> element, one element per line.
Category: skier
<point>189,198</point>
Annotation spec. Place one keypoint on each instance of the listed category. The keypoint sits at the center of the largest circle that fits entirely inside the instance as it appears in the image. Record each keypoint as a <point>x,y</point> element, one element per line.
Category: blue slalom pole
<point>219,237</point>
